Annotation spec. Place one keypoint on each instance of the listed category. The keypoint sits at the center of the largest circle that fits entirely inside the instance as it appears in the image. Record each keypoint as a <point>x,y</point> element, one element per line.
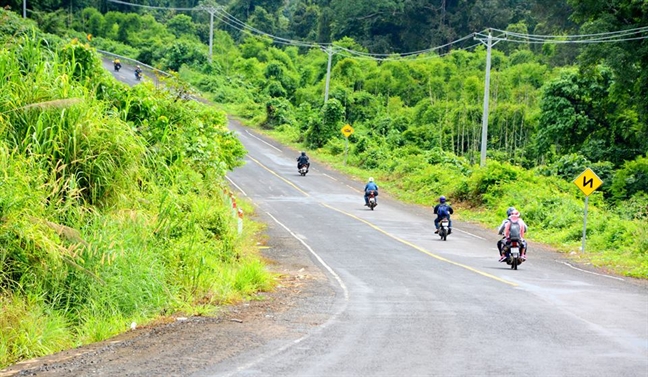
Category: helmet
<point>370,179</point>
<point>442,199</point>
<point>138,66</point>
<point>509,211</point>
<point>303,153</point>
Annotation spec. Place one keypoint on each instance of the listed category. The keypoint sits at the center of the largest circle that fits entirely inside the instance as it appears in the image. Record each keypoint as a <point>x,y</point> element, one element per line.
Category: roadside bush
<point>485,179</point>
<point>631,179</point>
<point>279,111</point>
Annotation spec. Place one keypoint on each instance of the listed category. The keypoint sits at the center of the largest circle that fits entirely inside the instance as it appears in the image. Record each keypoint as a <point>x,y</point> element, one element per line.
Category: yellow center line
<point>421,249</point>
<point>278,176</point>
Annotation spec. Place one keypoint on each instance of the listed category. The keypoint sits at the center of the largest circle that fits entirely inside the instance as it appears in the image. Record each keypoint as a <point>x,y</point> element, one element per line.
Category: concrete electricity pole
<point>330,51</point>
<point>484,137</point>
<point>211,9</point>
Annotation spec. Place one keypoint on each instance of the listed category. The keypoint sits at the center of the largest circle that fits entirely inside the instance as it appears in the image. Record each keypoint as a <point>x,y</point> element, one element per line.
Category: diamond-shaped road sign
<point>588,182</point>
<point>347,130</point>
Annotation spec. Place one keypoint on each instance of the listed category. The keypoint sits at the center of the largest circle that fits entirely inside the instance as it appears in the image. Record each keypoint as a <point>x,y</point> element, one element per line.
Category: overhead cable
<point>626,31</point>
<point>150,6</point>
<point>606,37</point>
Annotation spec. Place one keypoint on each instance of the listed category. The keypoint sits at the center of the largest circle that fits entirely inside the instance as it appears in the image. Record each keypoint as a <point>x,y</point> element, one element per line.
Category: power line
<point>241,26</point>
<point>150,6</point>
<point>235,23</point>
<point>605,37</point>
<point>626,31</point>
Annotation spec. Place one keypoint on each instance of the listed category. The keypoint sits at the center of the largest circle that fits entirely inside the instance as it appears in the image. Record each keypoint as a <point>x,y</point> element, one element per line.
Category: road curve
<point>407,303</point>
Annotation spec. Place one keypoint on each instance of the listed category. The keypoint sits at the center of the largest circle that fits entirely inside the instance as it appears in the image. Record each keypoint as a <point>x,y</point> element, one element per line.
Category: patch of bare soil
<point>189,345</point>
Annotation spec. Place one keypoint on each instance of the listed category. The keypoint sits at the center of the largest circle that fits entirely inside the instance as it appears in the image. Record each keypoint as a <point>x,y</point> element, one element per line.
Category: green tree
<point>129,25</point>
<point>180,25</point>
<point>321,131</point>
<point>631,180</point>
<point>579,113</point>
<point>184,52</point>
<point>628,59</point>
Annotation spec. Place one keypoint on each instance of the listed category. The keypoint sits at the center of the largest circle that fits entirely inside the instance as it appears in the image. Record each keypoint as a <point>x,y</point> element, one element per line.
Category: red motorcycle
<point>372,199</point>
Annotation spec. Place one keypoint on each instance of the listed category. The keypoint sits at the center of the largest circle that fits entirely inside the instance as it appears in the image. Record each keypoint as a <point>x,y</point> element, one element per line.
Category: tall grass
<point>109,205</point>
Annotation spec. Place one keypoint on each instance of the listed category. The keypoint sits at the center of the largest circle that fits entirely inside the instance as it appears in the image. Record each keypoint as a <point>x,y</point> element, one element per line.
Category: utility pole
<point>211,10</point>
<point>24,8</point>
<point>484,137</point>
<point>329,51</point>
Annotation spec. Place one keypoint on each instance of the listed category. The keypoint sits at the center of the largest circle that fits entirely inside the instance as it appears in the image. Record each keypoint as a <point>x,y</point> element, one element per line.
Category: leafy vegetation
<point>418,121</point>
<point>112,207</point>
<point>555,109</point>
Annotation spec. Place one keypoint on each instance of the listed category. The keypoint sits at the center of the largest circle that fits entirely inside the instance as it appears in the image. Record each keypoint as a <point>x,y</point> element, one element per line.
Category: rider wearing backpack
<point>514,230</point>
<point>443,210</point>
<point>500,230</point>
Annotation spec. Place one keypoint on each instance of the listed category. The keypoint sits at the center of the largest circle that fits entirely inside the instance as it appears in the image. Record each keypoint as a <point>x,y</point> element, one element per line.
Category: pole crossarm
<point>211,9</point>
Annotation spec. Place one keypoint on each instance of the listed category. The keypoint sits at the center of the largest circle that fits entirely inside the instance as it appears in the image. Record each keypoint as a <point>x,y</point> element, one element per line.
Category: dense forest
<point>381,26</point>
<point>568,90</point>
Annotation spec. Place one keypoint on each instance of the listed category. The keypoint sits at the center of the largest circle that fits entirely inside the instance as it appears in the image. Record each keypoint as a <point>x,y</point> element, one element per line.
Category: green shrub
<point>631,179</point>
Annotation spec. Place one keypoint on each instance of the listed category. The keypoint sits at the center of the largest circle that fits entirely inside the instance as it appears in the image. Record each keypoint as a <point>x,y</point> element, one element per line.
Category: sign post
<point>587,182</point>
<point>347,130</point>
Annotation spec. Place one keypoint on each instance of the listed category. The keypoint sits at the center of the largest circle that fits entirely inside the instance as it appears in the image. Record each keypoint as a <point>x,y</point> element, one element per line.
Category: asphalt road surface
<point>407,303</point>
<point>126,73</point>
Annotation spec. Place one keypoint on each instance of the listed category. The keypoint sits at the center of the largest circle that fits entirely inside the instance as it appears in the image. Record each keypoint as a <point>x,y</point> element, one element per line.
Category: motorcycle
<point>372,199</point>
<point>117,66</point>
<point>302,169</point>
<point>513,253</point>
<point>138,75</point>
<point>444,228</point>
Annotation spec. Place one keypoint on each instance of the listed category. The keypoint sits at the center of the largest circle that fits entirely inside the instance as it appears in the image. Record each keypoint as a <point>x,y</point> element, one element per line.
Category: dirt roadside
<point>184,346</point>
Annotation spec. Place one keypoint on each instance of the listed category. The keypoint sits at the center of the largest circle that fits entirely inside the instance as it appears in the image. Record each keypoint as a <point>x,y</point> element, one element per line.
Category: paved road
<point>409,304</point>
<point>127,72</point>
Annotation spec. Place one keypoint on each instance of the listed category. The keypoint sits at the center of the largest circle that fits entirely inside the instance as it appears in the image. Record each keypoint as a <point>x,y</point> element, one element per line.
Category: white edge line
<point>319,259</point>
<point>590,272</point>
<point>354,189</point>
<point>470,234</point>
<point>263,141</point>
<point>326,175</point>
<point>235,185</point>
<point>324,325</point>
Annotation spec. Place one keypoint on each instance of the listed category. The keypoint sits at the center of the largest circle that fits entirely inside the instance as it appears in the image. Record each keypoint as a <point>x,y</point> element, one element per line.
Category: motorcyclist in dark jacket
<point>370,186</point>
<point>303,160</point>
<point>443,210</point>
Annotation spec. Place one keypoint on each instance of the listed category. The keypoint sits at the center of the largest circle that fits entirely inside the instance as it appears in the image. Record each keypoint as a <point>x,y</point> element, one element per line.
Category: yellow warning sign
<point>588,182</point>
<point>347,130</point>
